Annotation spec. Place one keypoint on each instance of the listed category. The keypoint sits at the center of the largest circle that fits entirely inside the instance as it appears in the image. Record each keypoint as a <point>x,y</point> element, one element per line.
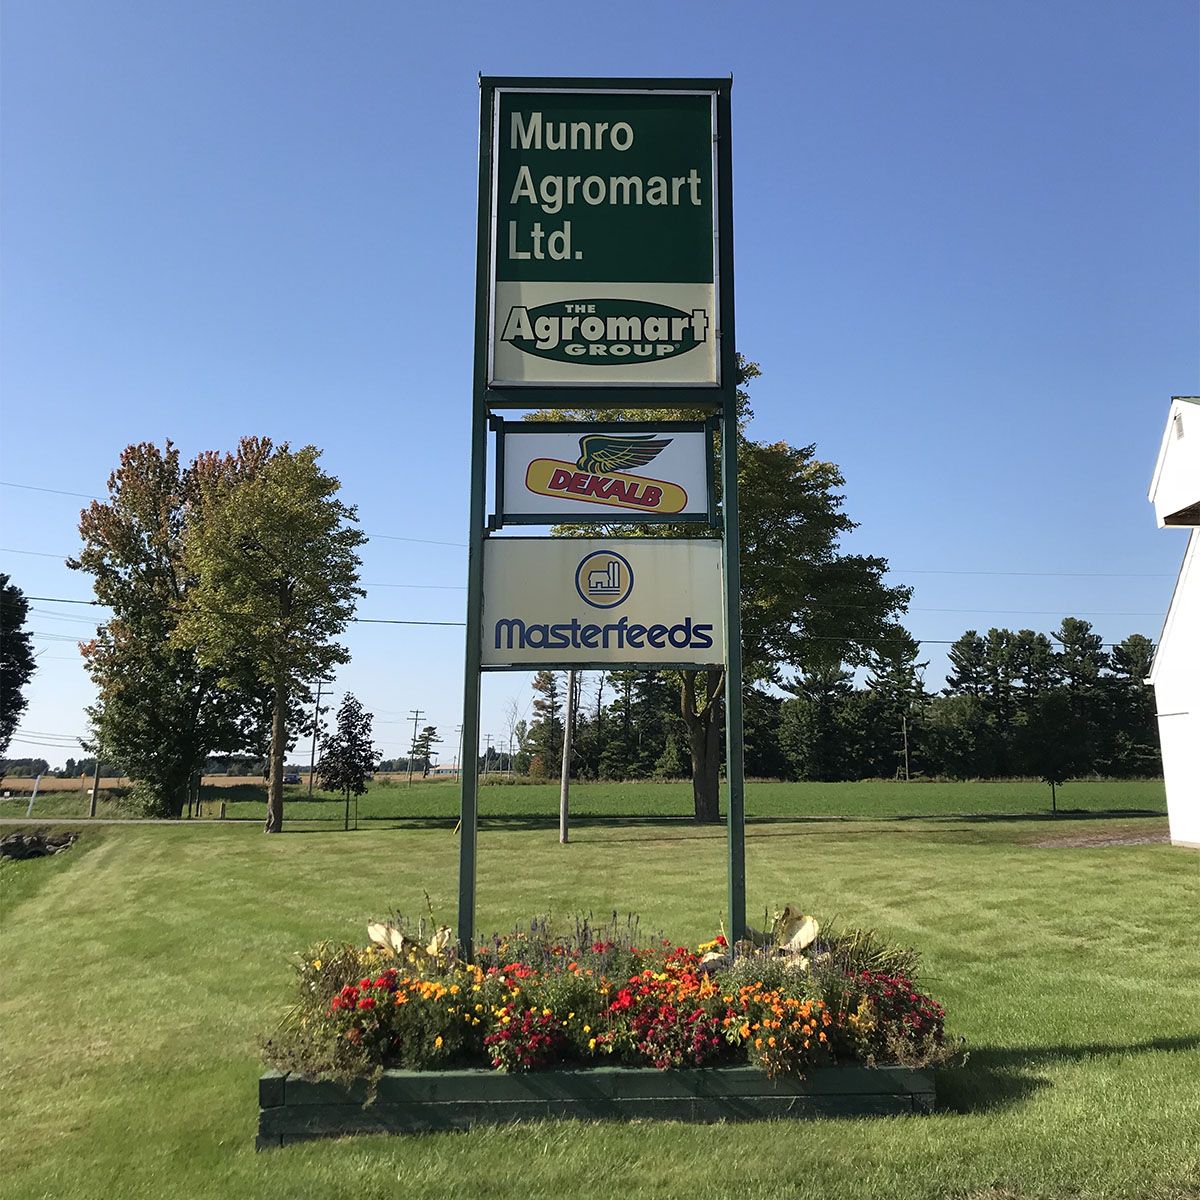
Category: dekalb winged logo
<point>603,453</point>
<point>604,475</point>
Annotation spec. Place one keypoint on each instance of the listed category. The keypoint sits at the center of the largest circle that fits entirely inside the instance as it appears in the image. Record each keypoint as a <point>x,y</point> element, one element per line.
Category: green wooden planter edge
<point>295,1109</point>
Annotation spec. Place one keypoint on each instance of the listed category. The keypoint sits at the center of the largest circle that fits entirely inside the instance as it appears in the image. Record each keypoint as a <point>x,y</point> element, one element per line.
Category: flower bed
<point>789,1005</point>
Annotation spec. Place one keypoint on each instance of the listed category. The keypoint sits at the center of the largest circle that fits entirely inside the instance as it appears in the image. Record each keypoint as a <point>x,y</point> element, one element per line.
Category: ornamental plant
<point>536,999</point>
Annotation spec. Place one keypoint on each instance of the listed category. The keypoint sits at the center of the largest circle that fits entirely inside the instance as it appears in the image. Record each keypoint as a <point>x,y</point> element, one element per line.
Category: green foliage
<point>348,756</point>
<point>276,569</point>
<point>160,710</point>
<point>16,658</point>
<point>805,604</point>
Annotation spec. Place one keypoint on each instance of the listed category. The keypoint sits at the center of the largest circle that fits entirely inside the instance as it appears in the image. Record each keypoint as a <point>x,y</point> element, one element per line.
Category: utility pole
<point>95,785</point>
<point>312,757</point>
<point>417,714</point>
<point>458,761</point>
<point>564,793</point>
<point>487,754</point>
<point>904,730</point>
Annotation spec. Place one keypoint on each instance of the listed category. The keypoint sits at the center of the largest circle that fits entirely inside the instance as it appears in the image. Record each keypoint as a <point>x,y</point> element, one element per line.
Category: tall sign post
<point>604,279</point>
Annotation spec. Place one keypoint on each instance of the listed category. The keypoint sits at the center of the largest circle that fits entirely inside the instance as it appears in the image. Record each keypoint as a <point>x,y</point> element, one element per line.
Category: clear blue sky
<point>967,247</point>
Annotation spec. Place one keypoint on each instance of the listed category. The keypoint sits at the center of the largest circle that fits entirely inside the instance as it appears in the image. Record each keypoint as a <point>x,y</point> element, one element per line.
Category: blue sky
<point>966,240</point>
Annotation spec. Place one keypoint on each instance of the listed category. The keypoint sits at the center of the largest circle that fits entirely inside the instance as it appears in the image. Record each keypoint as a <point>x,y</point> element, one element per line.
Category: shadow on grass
<point>998,1077</point>
<point>628,826</point>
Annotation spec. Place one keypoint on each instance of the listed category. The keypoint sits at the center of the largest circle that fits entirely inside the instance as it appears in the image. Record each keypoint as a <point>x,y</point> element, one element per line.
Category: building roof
<point>1185,567</point>
<point>1175,485</point>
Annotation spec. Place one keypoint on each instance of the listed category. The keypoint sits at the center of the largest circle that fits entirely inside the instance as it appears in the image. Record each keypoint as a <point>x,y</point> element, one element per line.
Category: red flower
<point>366,1002</point>
<point>623,1001</point>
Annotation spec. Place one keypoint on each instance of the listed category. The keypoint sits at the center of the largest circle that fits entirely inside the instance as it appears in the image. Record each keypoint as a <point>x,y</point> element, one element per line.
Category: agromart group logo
<point>605,332</point>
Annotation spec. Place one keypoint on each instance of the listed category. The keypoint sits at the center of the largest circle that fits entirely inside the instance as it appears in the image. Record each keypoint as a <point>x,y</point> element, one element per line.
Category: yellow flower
<point>437,1041</point>
<point>316,964</point>
<point>570,1016</point>
<point>587,1029</point>
<point>454,989</point>
<point>591,1043</point>
<point>545,1012</point>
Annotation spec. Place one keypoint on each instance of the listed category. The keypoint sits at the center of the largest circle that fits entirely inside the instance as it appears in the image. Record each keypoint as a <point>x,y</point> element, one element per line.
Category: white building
<point>1175,494</point>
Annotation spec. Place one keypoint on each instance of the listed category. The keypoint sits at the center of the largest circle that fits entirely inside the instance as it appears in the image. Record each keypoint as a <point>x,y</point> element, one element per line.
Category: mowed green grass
<point>140,967</point>
<point>438,801</point>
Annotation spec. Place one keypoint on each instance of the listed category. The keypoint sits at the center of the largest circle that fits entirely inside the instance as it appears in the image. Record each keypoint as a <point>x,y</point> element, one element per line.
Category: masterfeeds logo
<point>605,332</point>
<point>603,579</point>
<point>600,475</point>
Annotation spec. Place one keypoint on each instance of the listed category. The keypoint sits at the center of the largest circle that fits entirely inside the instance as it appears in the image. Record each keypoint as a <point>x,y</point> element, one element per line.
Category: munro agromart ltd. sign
<point>603,252</point>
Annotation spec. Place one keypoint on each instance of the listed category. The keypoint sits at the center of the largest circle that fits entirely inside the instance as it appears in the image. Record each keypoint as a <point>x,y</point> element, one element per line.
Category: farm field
<point>141,966</point>
<point>437,801</point>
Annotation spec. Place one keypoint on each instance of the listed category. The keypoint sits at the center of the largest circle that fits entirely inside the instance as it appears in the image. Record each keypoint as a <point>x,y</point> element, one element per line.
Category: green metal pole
<point>469,759</point>
<point>734,769</point>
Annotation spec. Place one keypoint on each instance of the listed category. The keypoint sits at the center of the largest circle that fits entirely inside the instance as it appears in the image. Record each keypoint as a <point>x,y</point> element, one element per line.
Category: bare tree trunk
<point>274,822</point>
<point>564,792</point>
<point>703,723</point>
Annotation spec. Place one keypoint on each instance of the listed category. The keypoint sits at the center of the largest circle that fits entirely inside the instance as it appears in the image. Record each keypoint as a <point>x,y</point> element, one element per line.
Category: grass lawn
<point>140,967</point>
<point>437,800</point>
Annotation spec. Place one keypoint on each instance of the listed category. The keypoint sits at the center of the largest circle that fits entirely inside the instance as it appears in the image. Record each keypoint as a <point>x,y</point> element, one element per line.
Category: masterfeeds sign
<point>601,472</point>
<point>624,601</point>
<point>603,247</point>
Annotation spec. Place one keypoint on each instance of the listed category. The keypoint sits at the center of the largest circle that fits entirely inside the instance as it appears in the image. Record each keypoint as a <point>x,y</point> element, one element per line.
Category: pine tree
<point>16,658</point>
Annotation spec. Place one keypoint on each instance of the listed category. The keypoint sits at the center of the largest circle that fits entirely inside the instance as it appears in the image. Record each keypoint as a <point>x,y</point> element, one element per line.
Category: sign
<point>552,473</point>
<point>603,246</point>
<point>563,602</point>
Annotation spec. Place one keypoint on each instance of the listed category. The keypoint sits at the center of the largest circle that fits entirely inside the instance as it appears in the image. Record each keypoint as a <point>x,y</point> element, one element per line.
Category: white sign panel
<point>598,472</point>
<point>651,602</point>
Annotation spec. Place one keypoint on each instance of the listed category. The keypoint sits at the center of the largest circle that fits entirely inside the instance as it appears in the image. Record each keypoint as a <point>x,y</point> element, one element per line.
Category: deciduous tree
<point>276,572</point>
<point>804,603</point>
<point>348,756</point>
<point>159,710</point>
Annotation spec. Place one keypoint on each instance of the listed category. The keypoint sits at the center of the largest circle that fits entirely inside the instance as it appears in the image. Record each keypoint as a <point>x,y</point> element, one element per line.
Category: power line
<point>461,624</point>
<point>29,487</point>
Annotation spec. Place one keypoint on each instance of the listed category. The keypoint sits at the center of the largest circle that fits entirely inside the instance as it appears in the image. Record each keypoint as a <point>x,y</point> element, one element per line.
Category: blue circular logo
<point>604,579</point>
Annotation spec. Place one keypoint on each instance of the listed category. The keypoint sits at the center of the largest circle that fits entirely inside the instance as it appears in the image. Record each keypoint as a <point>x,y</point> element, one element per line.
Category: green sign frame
<point>718,396</point>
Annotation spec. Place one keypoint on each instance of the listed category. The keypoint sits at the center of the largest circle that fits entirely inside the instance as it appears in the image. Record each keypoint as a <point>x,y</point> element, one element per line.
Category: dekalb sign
<point>652,602</point>
<point>554,473</point>
<point>603,250</point>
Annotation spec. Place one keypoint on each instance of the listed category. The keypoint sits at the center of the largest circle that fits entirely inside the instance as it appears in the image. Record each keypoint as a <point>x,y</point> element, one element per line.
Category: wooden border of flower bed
<point>292,1109</point>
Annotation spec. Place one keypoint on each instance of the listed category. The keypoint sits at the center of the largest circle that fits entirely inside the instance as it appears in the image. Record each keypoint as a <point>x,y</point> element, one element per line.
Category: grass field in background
<point>438,800</point>
<point>141,966</point>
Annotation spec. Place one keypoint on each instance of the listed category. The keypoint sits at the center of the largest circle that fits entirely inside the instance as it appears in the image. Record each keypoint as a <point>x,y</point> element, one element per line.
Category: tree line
<point>230,578</point>
<point>1016,703</point>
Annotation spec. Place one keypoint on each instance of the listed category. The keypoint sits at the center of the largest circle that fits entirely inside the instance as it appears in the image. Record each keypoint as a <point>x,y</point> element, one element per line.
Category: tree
<point>1054,743</point>
<point>16,658</point>
<point>276,571</point>
<point>348,755</point>
<point>423,747</point>
<point>803,602</point>
<point>546,731</point>
<point>1131,721</point>
<point>159,711</point>
<point>895,701</point>
<point>968,658</point>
